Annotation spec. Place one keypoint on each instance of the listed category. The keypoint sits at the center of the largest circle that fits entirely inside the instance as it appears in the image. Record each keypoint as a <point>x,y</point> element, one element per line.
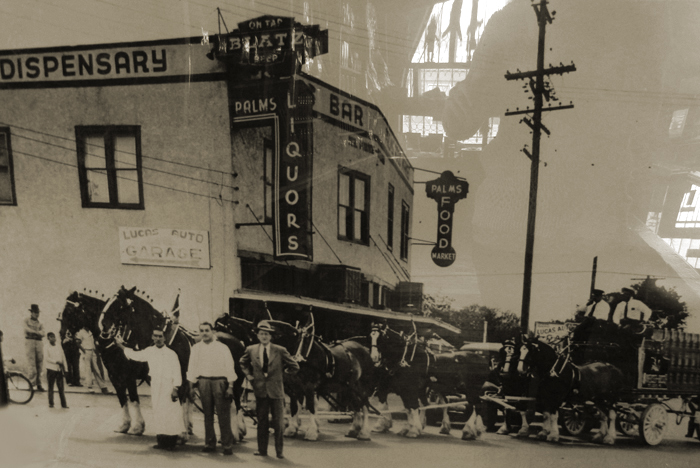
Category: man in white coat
<point>164,369</point>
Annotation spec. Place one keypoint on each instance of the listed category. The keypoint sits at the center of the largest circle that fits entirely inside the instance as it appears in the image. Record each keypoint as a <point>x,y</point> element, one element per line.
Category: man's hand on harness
<point>174,394</point>
<point>228,394</point>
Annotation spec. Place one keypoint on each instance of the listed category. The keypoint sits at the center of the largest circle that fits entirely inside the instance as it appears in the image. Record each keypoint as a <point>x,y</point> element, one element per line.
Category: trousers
<point>93,370</point>
<point>56,376</point>
<point>264,406</point>
<point>211,391</point>
<point>35,360</point>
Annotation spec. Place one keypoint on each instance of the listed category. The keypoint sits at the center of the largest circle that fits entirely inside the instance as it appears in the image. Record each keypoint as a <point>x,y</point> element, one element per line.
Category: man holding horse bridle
<point>164,369</point>
<point>264,365</point>
<point>211,368</point>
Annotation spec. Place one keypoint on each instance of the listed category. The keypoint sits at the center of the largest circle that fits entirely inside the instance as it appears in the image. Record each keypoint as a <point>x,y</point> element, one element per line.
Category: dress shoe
<point>64,407</point>
<point>260,454</point>
<point>50,406</point>
<point>105,391</point>
<point>208,449</point>
<point>40,389</point>
<point>228,452</point>
<point>280,456</point>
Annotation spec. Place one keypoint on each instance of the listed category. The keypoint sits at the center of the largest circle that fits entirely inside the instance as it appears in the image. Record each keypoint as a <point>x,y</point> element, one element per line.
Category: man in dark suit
<point>264,364</point>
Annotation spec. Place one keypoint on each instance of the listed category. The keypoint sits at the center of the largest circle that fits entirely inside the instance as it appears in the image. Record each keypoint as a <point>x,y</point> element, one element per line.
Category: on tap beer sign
<point>446,190</point>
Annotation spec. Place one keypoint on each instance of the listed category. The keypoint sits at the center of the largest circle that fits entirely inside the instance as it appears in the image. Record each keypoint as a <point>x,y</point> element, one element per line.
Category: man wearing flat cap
<point>34,334</point>
<point>597,307</point>
<point>630,310</point>
<point>264,365</point>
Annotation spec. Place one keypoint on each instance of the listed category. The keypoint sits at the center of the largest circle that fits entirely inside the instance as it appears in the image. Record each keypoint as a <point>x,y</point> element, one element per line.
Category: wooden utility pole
<point>541,91</point>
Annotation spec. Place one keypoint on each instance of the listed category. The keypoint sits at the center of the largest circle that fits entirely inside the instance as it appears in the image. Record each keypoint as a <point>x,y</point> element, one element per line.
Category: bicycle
<point>19,388</point>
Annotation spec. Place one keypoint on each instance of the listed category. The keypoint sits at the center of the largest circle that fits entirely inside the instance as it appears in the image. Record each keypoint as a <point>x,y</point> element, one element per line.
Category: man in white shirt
<point>211,368</point>
<point>597,307</point>
<point>86,343</point>
<point>166,378</point>
<point>630,310</point>
<point>55,367</point>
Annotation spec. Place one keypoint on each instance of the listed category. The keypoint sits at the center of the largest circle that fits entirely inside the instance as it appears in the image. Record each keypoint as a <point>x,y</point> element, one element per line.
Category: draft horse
<point>560,380</point>
<point>83,310</point>
<point>402,362</point>
<point>344,369</point>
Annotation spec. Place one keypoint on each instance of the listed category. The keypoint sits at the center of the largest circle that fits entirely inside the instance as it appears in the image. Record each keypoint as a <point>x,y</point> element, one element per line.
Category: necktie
<point>590,314</point>
<point>265,360</point>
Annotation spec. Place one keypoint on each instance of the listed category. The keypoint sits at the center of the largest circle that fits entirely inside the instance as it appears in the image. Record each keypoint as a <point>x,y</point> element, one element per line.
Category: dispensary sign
<point>446,190</point>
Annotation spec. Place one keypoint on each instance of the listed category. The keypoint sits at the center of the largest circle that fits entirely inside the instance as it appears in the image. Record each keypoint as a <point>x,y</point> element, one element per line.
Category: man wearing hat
<point>597,306</point>
<point>264,365</point>
<point>34,334</point>
<point>630,310</point>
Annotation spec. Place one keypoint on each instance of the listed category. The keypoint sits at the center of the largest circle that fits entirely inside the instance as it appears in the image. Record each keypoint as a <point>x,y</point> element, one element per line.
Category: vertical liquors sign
<point>293,175</point>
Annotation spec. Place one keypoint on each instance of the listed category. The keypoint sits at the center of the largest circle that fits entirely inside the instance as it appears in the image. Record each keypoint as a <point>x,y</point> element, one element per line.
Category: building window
<point>109,164</point>
<point>390,219</point>
<point>353,206</point>
<point>269,150</point>
<point>7,178</point>
<point>404,230</point>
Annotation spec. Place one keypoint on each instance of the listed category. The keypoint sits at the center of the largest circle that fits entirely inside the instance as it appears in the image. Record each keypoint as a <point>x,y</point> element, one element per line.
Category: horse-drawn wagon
<point>629,378</point>
<point>663,377</point>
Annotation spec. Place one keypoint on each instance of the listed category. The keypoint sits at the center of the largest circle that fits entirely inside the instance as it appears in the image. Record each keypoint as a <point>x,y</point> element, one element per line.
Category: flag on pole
<point>176,307</point>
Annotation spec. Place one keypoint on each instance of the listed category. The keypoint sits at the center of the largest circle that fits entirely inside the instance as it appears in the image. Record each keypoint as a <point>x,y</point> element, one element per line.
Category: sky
<point>605,159</point>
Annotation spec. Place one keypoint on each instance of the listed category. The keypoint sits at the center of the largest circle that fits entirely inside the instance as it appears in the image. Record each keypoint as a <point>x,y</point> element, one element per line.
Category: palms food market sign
<point>446,190</point>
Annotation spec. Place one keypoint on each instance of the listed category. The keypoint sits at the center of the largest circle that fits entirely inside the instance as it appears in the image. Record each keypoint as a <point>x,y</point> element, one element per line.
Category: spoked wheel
<point>653,424</point>
<point>574,422</point>
<point>19,388</point>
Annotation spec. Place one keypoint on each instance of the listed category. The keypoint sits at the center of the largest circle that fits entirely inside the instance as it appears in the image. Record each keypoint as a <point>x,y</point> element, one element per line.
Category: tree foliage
<point>500,324</point>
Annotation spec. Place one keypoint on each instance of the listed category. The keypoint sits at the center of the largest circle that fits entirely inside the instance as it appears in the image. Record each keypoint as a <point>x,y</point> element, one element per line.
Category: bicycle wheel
<point>19,388</point>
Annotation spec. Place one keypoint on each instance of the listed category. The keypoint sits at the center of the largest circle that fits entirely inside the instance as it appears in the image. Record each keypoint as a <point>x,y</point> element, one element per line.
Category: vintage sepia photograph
<point>341,233</point>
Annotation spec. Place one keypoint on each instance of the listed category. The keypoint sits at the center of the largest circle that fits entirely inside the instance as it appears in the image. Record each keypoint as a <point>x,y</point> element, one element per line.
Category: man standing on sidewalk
<point>264,365</point>
<point>164,369</point>
<point>34,334</point>
<point>55,368</point>
<point>211,369</point>
<point>86,343</point>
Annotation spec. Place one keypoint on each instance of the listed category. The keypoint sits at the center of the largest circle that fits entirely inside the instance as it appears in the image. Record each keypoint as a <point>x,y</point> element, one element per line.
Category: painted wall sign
<point>446,190</point>
<point>354,114</point>
<point>121,61</point>
<point>164,247</point>
<point>293,175</point>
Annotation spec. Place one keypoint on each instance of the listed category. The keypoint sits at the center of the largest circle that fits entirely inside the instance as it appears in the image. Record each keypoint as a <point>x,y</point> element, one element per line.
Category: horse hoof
<point>523,433</point>
<point>290,432</point>
<point>123,429</point>
<point>445,430</point>
<point>608,441</point>
<point>412,434</point>
<point>503,430</point>
<point>598,438</point>
<point>552,438</point>
<point>311,437</point>
<point>402,432</point>
<point>363,437</point>
<point>468,436</point>
<point>351,434</point>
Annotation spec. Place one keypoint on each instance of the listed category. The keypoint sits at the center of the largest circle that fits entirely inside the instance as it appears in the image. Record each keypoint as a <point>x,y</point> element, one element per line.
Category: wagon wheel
<point>574,422</point>
<point>653,424</point>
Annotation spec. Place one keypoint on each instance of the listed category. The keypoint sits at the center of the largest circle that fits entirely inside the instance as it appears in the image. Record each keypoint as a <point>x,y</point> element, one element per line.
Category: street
<point>82,436</point>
